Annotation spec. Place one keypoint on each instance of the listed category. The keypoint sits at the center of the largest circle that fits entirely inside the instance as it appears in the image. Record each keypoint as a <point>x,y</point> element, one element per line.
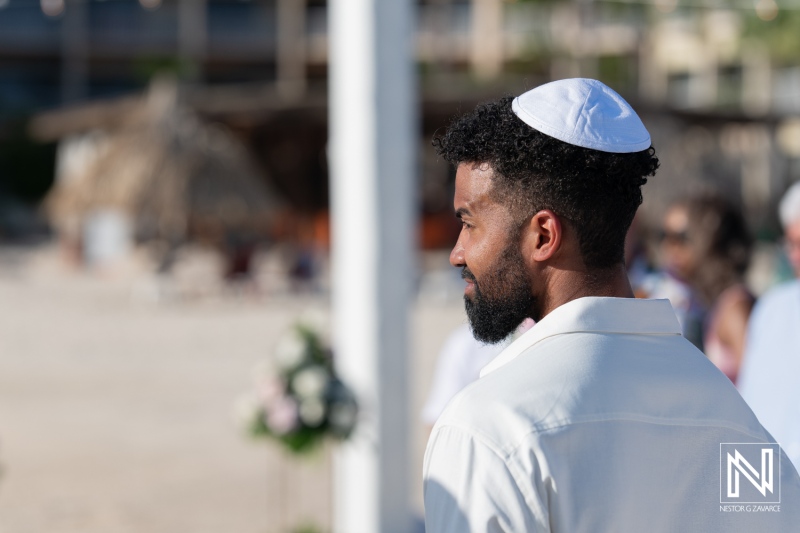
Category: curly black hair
<point>596,192</point>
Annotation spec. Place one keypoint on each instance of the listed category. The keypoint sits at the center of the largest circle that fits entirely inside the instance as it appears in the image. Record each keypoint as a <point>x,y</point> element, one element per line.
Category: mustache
<point>467,275</point>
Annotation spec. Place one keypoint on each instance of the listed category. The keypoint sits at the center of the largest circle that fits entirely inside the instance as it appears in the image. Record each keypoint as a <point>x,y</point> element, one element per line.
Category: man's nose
<point>457,255</point>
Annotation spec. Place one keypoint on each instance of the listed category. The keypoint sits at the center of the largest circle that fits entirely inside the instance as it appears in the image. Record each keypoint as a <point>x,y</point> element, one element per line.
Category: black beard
<point>505,301</point>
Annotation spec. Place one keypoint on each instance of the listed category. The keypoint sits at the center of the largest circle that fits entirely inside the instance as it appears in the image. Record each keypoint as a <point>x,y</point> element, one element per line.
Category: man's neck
<point>567,285</point>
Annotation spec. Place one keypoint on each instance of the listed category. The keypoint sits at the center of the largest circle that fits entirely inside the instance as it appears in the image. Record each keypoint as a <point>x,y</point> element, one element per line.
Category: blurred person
<point>304,251</point>
<point>770,378</point>
<point>689,311</point>
<point>601,417</point>
<point>706,245</point>
<point>458,364</point>
<point>669,282</point>
<point>239,248</point>
<point>656,283</point>
<point>636,260</point>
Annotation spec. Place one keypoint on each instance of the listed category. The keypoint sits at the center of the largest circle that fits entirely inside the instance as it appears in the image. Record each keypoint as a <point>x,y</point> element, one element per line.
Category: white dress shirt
<point>770,377</point>
<point>601,418</point>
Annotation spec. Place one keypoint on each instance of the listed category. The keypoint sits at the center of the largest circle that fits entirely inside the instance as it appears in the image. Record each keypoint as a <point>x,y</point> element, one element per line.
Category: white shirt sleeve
<point>470,488</point>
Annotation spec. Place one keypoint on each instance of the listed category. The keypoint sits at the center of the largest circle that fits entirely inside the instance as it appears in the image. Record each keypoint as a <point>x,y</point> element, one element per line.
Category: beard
<point>502,300</point>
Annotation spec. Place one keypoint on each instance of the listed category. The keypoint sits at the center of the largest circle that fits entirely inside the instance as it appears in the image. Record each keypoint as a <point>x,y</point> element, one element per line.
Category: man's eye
<point>465,224</point>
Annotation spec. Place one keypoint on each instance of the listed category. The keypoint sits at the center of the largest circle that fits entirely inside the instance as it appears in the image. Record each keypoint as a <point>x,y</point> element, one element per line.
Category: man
<point>602,417</point>
<point>770,376</point>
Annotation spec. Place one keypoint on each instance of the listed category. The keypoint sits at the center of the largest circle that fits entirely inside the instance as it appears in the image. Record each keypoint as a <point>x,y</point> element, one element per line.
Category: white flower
<point>310,382</point>
<point>312,412</point>
<point>290,350</point>
<point>281,416</point>
<point>318,321</point>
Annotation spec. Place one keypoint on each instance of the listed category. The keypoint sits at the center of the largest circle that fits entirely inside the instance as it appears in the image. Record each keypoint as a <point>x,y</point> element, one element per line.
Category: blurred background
<point>164,217</point>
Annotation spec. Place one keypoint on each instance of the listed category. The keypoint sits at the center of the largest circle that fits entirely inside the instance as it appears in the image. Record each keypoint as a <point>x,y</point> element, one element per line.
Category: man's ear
<point>543,236</point>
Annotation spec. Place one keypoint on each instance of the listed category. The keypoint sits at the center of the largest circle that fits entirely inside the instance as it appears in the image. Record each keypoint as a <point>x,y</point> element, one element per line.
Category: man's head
<point>530,201</point>
<point>789,211</point>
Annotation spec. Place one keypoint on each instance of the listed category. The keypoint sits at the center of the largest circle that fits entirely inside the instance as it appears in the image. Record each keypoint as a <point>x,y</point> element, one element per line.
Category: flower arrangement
<point>299,400</point>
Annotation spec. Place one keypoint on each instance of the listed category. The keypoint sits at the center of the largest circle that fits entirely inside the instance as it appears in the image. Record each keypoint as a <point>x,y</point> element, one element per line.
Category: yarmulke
<point>585,113</point>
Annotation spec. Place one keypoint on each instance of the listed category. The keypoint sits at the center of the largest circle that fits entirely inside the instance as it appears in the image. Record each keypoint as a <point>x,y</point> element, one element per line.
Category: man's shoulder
<point>588,377</point>
<point>502,406</point>
<point>541,388</point>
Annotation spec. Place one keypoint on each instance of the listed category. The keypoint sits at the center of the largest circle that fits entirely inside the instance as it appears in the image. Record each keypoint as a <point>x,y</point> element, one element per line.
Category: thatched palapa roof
<point>166,168</point>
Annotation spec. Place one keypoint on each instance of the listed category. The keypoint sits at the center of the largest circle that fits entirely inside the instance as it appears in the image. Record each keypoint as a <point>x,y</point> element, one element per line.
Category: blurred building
<point>718,86</point>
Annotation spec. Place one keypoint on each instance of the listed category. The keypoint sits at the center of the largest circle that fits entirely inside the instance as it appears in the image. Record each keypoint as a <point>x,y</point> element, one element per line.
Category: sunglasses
<point>673,237</point>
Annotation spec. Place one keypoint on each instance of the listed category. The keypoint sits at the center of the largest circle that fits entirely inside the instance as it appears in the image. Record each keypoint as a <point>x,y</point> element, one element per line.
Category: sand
<point>116,410</point>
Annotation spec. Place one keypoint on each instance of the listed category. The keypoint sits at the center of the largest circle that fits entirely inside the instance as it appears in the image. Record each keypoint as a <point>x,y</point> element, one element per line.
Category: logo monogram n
<point>762,482</point>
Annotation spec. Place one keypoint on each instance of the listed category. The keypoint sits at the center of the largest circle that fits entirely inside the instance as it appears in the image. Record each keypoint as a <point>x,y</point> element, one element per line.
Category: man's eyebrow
<point>461,211</point>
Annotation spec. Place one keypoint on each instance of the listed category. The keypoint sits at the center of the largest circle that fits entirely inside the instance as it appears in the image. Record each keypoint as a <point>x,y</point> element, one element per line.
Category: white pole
<point>373,134</point>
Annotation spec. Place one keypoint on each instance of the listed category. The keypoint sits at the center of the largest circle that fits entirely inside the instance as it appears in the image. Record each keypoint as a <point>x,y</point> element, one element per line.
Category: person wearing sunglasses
<point>705,243</point>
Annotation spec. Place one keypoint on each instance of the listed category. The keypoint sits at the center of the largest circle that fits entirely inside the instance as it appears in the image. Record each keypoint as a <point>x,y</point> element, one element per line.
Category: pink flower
<point>281,416</point>
<point>271,389</point>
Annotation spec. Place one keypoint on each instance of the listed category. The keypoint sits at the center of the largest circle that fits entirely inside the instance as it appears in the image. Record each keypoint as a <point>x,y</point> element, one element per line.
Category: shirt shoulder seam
<point>505,452</point>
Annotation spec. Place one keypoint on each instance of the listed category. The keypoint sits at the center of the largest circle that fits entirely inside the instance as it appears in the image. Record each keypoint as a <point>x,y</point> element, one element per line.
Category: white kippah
<point>585,113</point>
<point>789,208</point>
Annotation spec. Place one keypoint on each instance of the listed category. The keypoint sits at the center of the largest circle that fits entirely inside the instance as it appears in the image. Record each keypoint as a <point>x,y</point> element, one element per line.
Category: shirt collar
<point>595,314</point>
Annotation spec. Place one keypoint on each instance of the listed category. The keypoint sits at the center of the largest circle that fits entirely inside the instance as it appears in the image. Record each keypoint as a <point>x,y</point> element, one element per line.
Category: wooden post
<point>487,38</point>
<point>373,136</point>
<point>75,46</point>
<point>290,55</point>
<point>192,36</point>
